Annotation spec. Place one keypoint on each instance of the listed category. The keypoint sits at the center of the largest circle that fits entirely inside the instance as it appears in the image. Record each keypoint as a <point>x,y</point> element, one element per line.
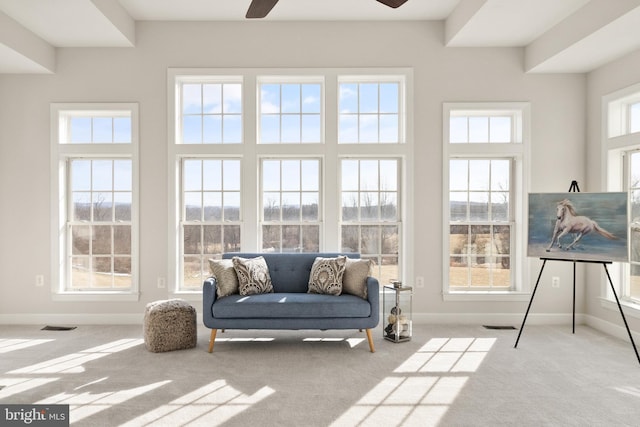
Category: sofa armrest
<point>373,295</point>
<point>208,296</point>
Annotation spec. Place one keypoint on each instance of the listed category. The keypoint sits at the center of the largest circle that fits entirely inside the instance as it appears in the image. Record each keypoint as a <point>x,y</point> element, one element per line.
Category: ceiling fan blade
<point>393,3</point>
<point>260,8</point>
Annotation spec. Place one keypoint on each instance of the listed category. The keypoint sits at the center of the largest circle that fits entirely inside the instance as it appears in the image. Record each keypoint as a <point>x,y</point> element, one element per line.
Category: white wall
<point>139,75</point>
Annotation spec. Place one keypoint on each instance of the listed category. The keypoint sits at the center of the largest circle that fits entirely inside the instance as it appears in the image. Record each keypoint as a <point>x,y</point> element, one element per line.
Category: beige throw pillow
<point>226,277</point>
<point>253,275</point>
<point>354,281</point>
<point>326,275</point>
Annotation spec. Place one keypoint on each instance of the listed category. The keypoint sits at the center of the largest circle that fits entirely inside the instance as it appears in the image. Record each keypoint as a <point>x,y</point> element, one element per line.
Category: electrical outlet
<point>39,280</point>
<point>555,282</point>
<point>419,282</point>
<point>162,283</point>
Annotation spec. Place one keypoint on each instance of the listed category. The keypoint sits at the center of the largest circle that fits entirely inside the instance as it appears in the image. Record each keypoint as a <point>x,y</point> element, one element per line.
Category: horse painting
<point>568,221</point>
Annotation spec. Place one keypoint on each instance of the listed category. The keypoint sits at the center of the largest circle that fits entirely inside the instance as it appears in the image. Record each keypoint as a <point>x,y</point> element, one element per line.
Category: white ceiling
<point>558,36</point>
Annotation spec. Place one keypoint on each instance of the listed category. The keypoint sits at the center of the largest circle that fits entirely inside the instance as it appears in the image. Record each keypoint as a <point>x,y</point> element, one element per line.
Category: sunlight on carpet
<point>417,397</point>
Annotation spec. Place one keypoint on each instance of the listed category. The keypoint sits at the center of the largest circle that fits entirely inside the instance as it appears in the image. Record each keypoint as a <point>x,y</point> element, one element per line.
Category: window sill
<point>486,296</point>
<point>187,295</point>
<point>630,308</point>
<point>95,296</point>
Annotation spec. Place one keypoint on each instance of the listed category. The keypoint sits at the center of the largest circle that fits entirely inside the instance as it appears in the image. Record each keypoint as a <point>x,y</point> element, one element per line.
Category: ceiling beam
<point>119,17</point>
<point>461,15</point>
<point>581,39</point>
<point>29,53</point>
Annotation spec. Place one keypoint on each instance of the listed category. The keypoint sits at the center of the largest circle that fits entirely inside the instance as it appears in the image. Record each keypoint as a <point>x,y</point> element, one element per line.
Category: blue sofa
<point>290,306</point>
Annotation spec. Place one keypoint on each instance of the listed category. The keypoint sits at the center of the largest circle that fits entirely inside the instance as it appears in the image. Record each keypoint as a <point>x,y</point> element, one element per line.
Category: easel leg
<point>533,294</point>
<point>574,298</point>
<point>624,319</point>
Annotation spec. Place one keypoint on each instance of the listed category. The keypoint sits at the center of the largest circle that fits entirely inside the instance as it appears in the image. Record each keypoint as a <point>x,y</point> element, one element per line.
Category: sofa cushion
<point>226,277</point>
<point>326,275</point>
<point>253,275</point>
<point>354,281</point>
<point>290,305</point>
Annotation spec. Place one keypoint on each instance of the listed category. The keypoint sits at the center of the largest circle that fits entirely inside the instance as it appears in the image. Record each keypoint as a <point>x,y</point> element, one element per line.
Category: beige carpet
<point>446,376</point>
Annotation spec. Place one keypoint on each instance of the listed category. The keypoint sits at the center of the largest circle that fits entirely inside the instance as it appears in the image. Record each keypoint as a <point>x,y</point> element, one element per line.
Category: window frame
<point>63,151</point>
<point>618,142</point>
<point>250,152</point>
<point>518,152</point>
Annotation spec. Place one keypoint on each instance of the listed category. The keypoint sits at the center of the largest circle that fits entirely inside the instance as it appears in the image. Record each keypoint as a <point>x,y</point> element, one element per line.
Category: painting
<point>578,226</point>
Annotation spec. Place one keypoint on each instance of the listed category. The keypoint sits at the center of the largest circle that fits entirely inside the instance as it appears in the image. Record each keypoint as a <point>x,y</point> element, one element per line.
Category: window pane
<point>81,240</point>
<point>310,206</point>
<point>500,129</point>
<point>231,206</point>
<point>458,130</point>
<point>191,98</point>
<point>232,129</point>
<point>232,93</point>
<point>350,238</point>
<point>122,130</point>
<point>271,238</point>
<point>311,97</point>
<point>102,129</point>
<point>211,239</point>
<point>211,177</point>
<point>291,175</point>
<point>80,130</point>
<point>458,202</point>
<point>478,129</point>
<point>310,238</point>
<point>193,206</point>
<point>389,128</point>
<point>122,179</point>
<point>368,128</point>
<point>290,128</point>
<point>479,174</point>
<point>122,206</point>
<point>81,175</point>
<point>81,206</point>
<point>231,238</point>
<point>271,206</point>
<point>368,98</point>
<point>311,131</point>
<point>290,98</point>
<point>271,175</point>
<point>479,206</point>
<point>192,129</point>
<point>370,239</point>
<point>101,176</point>
<point>348,102</point>
<point>458,175</point>
<point>348,128</point>
<point>500,206</point>
<point>122,239</point>
<point>212,129</point>
<point>389,98</point>
<point>269,128</point>
<point>291,207</point>
<point>212,98</point>
<point>291,238</point>
<point>192,175</point>
<point>102,206</point>
<point>500,172</point>
<point>212,203</point>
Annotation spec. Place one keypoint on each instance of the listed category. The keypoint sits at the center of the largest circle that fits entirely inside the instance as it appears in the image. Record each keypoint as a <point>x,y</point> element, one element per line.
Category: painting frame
<point>578,226</point>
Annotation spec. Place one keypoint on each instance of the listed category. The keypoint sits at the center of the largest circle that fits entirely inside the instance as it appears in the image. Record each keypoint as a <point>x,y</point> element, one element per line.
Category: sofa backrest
<point>289,271</point>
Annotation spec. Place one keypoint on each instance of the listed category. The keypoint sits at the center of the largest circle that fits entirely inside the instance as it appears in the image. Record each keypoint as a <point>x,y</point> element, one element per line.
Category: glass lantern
<point>396,305</point>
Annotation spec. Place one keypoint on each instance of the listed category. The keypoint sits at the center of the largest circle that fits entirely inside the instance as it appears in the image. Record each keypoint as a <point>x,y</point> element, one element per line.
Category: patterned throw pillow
<point>354,281</point>
<point>326,275</point>
<point>226,277</point>
<point>253,275</point>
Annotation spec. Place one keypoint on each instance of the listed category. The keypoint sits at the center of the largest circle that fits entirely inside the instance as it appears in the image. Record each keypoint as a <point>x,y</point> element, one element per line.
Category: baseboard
<point>616,330</point>
<point>502,319</point>
<point>71,319</point>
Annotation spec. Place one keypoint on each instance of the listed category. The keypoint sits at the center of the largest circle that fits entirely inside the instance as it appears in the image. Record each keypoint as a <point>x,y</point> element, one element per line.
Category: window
<point>370,212</point>
<point>370,111</point>
<point>211,111</point>
<point>290,112</point>
<point>94,177</point>
<point>210,220</point>
<point>621,136</point>
<point>291,205</point>
<point>276,181</point>
<point>484,158</point>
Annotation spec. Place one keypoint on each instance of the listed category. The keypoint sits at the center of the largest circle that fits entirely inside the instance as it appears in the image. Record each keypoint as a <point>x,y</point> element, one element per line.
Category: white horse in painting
<point>567,221</point>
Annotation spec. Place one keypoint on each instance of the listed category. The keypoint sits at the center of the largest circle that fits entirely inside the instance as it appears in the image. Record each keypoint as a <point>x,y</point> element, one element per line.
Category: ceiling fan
<point>261,8</point>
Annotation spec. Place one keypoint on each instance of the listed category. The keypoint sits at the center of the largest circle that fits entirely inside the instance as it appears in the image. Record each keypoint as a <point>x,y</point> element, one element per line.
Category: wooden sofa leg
<point>212,339</point>
<point>370,339</point>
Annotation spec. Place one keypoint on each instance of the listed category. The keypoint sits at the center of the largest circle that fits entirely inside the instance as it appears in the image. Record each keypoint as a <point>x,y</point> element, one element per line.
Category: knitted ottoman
<point>169,325</point>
